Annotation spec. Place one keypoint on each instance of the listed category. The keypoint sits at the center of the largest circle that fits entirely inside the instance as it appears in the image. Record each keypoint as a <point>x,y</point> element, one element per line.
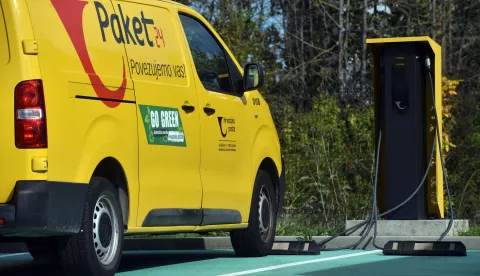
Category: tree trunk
<point>345,50</point>
<point>364,49</point>
<point>444,38</point>
<point>434,19</point>
<point>450,40</point>
<point>303,57</point>
<point>341,30</point>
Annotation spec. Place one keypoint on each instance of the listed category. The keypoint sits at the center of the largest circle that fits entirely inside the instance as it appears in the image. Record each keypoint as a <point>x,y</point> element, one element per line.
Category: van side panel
<point>15,66</point>
<point>90,101</point>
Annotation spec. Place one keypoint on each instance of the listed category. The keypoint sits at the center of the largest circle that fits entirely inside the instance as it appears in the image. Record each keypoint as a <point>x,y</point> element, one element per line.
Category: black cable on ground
<point>372,220</point>
<point>367,223</point>
<point>374,212</point>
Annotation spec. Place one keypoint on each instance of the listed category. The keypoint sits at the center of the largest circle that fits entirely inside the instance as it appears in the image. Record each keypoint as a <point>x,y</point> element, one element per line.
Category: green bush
<point>328,152</point>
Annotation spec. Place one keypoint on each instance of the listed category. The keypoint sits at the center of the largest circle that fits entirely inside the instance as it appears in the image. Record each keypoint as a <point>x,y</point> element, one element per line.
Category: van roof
<point>192,10</point>
<point>174,2</point>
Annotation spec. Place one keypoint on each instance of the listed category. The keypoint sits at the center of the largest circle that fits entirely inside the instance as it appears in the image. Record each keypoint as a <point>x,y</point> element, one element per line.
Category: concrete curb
<point>472,243</point>
<point>430,228</point>
<point>212,243</point>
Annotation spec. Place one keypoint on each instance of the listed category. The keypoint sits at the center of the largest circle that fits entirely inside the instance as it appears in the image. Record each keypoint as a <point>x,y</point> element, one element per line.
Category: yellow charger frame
<point>434,182</point>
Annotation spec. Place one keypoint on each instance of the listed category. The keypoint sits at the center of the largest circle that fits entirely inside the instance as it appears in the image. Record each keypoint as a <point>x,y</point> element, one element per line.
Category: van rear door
<point>4,51</point>
<point>16,65</point>
<point>4,58</point>
<point>89,93</point>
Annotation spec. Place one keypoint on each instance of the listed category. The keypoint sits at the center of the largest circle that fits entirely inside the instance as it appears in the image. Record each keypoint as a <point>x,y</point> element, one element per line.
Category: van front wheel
<point>257,239</point>
<point>97,248</point>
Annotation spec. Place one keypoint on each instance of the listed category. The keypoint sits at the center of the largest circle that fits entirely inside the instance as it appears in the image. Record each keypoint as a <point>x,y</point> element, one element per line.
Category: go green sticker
<point>163,126</point>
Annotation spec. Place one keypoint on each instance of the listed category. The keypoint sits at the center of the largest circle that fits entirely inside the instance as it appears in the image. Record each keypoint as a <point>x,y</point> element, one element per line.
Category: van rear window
<point>4,51</point>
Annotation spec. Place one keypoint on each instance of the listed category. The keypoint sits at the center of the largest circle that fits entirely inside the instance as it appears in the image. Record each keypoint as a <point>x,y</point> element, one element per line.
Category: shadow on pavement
<point>22,264</point>
<point>412,266</point>
<point>131,261</point>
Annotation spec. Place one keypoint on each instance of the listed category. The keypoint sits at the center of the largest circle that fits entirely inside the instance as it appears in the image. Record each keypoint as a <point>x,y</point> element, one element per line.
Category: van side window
<point>208,56</point>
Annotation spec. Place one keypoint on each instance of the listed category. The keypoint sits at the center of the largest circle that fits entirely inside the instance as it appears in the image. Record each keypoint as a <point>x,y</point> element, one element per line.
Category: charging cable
<point>450,223</point>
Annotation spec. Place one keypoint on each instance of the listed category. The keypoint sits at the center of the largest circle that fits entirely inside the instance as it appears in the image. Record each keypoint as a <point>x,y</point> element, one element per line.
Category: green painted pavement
<point>224,262</point>
<point>14,261</point>
<point>215,262</point>
<point>380,265</point>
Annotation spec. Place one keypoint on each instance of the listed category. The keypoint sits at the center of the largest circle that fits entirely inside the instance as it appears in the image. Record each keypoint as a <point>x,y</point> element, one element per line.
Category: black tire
<point>250,242</point>
<point>78,253</point>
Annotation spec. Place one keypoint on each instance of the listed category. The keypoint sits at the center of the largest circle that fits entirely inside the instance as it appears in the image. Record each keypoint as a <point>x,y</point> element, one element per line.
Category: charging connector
<point>427,64</point>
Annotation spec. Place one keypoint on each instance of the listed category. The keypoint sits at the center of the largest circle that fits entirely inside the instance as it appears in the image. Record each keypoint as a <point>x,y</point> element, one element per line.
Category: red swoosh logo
<point>71,14</point>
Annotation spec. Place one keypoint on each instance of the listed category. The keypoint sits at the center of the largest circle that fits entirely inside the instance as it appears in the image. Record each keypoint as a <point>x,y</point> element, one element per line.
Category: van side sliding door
<point>168,114</point>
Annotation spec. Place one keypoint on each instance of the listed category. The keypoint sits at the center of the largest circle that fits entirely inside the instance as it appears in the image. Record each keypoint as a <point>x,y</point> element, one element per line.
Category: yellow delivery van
<point>121,117</point>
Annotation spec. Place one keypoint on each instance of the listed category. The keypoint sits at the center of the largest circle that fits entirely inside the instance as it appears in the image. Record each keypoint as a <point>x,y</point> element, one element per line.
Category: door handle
<point>188,108</point>
<point>209,111</point>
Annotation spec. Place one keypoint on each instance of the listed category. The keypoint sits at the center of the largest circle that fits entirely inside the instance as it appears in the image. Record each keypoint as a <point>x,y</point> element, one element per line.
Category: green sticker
<point>163,126</point>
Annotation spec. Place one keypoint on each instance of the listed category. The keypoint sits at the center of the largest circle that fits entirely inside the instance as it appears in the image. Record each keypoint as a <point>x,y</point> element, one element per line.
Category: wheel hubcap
<point>105,230</point>
<point>265,214</point>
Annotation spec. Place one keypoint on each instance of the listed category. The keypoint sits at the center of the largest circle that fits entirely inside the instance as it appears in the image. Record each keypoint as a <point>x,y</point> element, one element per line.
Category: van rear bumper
<point>43,208</point>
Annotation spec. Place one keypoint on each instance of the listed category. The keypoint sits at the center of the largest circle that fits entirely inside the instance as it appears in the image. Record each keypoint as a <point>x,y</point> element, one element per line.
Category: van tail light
<point>30,115</point>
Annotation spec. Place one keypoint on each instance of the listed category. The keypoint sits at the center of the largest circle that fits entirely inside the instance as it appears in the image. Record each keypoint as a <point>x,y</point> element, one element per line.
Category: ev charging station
<point>404,112</point>
<point>409,177</point>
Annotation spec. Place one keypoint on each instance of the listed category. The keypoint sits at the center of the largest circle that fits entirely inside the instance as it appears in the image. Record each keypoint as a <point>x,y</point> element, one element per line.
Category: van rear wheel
<point>96,250</point>
<point>257,239</point>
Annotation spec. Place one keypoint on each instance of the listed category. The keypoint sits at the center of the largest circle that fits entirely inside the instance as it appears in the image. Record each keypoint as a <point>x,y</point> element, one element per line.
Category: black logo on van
<point>227,126</point>
<point>126,29</point>
<point>226,123</point>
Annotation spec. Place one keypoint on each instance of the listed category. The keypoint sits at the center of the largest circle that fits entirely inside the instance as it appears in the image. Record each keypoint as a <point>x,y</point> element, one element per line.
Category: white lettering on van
<point>162,116</point>
<point>169,119</point>
<point>175,114</point>
<point>154,119</point>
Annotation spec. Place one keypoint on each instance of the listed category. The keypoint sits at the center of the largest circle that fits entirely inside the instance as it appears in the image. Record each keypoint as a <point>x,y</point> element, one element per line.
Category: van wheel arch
<point>269,166</point>
<point>111,169</point>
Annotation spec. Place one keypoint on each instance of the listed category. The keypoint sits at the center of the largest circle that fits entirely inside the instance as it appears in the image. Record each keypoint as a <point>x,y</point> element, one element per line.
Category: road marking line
<point>13,255</point>
<point>268,268</point>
